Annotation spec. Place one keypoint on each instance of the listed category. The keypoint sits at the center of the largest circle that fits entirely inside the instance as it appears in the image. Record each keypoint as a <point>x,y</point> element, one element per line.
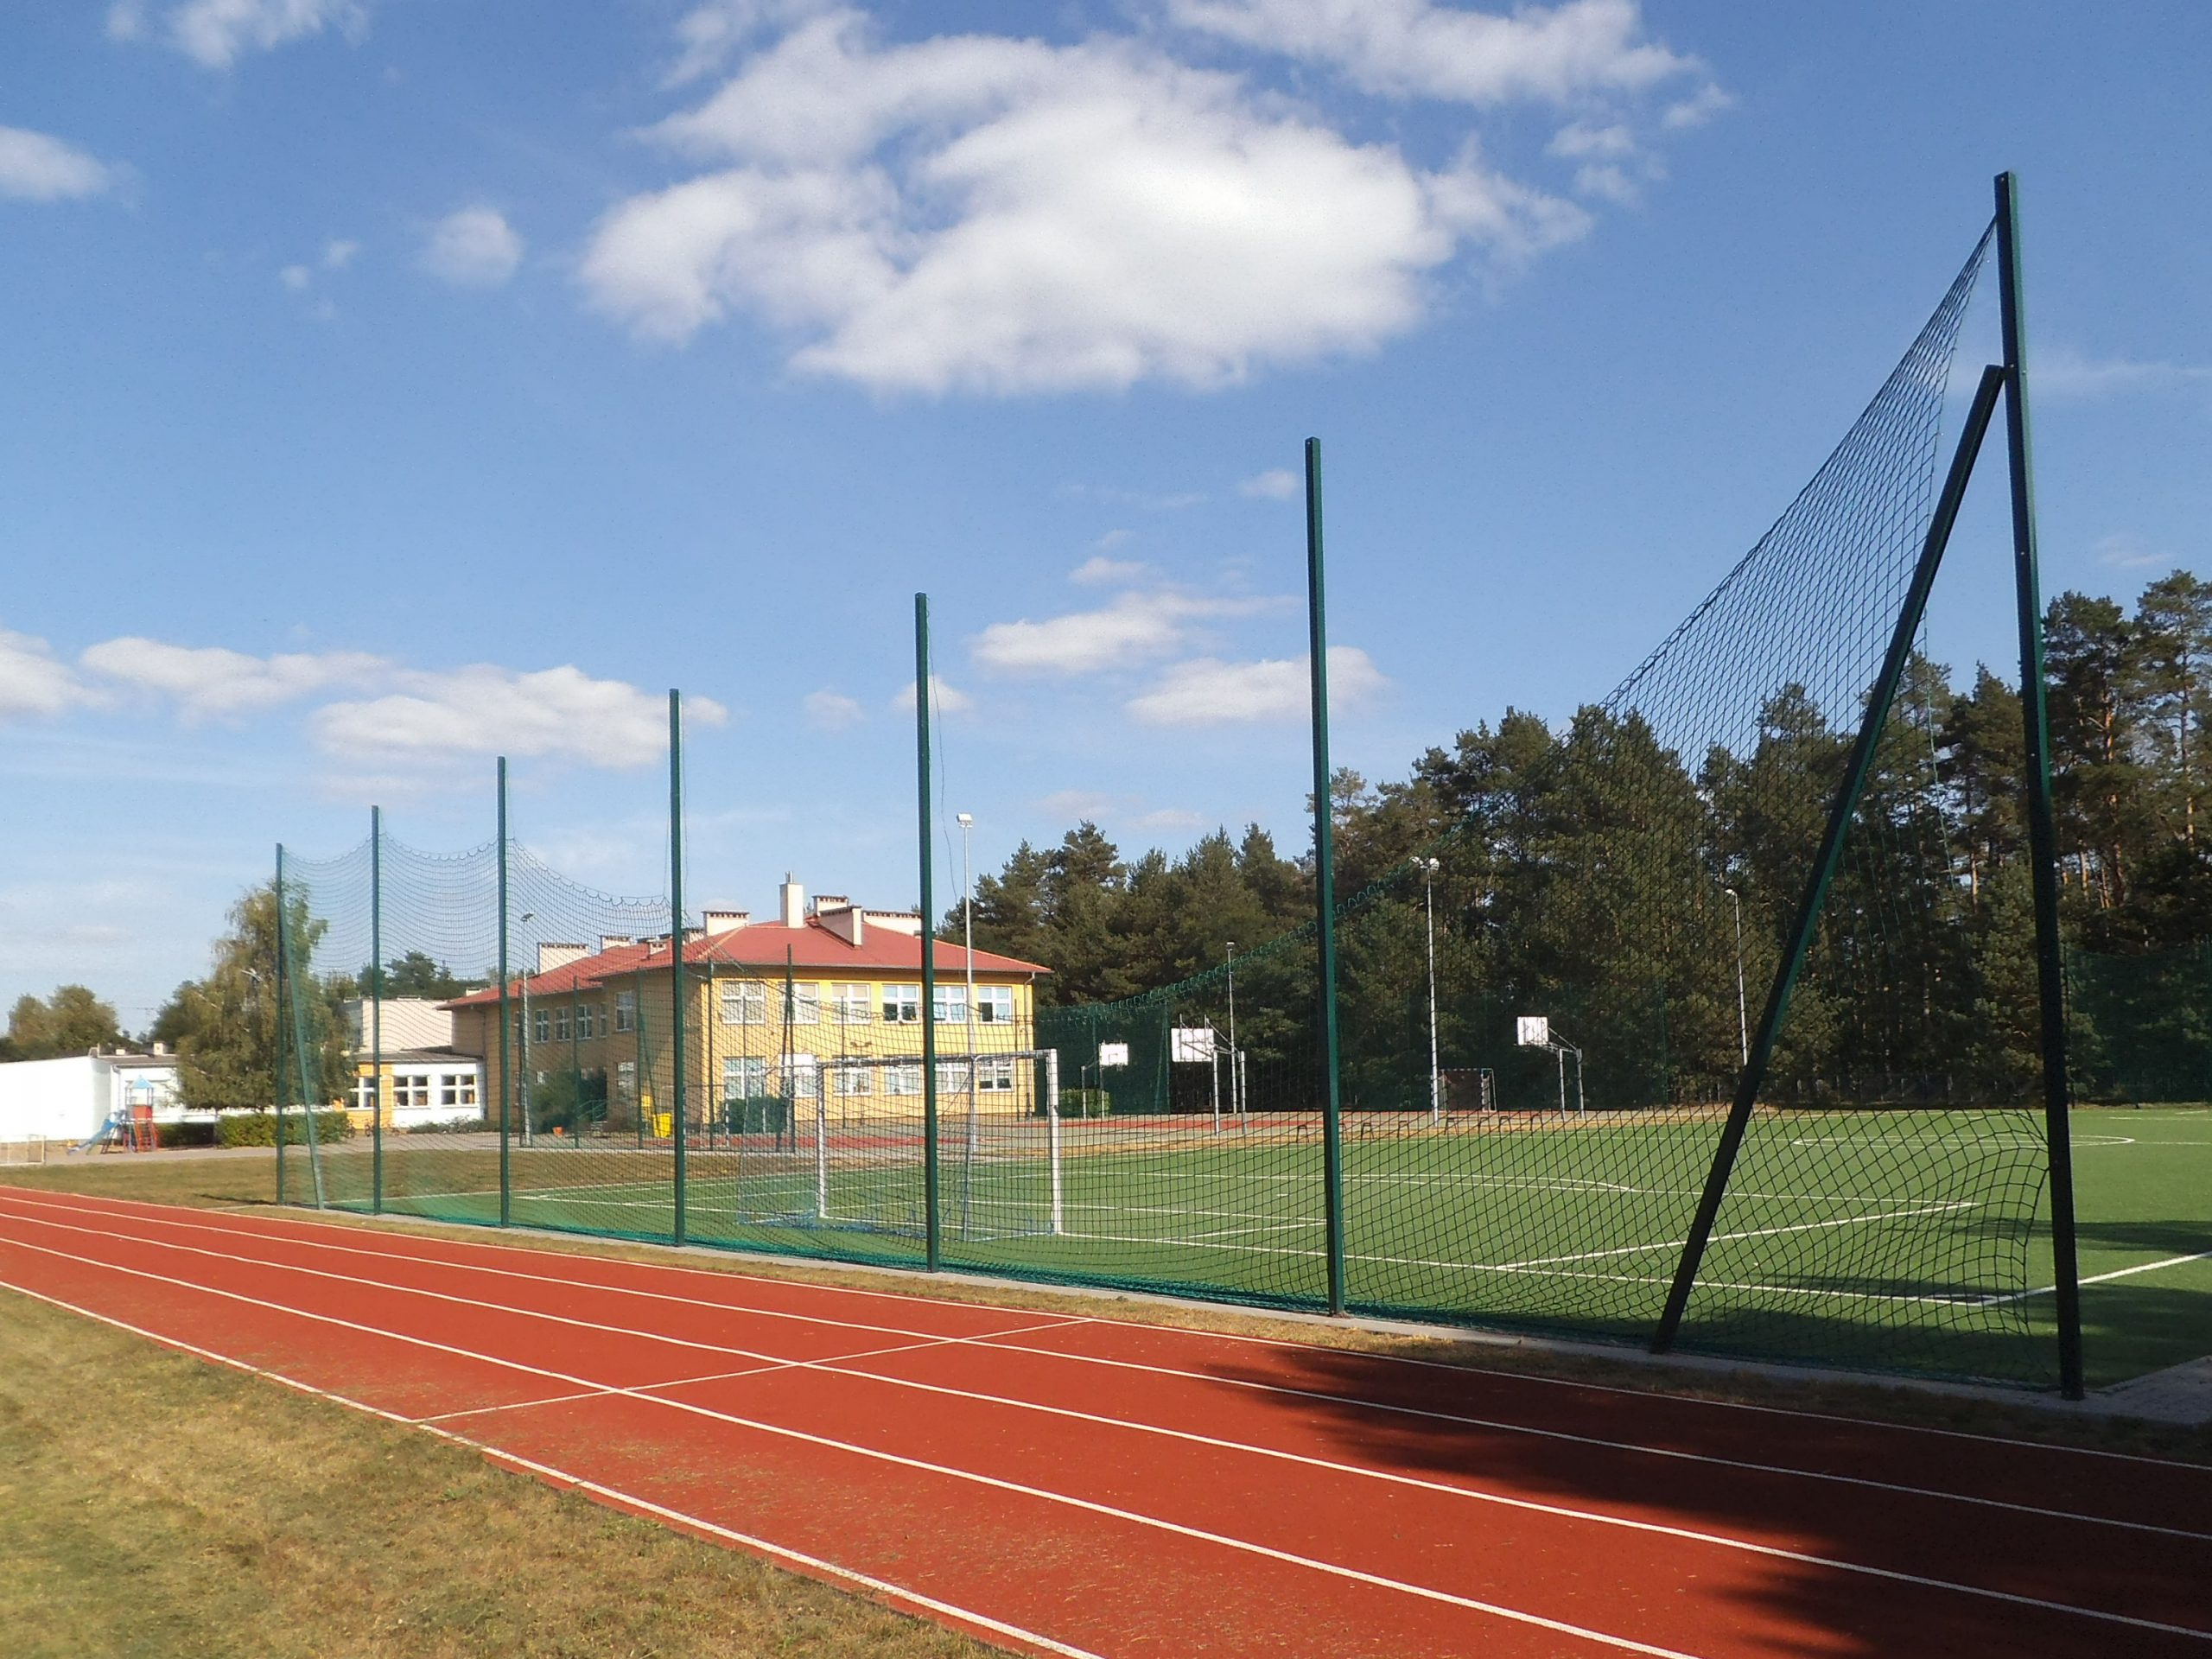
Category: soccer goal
<point>17,1153</point>
<point>841,1142</point>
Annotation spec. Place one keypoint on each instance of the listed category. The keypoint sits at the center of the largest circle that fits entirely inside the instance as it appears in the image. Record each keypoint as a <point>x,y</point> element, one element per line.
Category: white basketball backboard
<point>1533,1031</point>
<point>1113,1054</point>
<point>1188,1044</point>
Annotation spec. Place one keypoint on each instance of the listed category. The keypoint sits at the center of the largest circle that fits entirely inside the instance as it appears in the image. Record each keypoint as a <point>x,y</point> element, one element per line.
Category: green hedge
<point>184,1134</point>
<point>259,1128</point>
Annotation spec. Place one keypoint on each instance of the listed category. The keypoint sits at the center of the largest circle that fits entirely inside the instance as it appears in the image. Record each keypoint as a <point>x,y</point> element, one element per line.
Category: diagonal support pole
<point>1824,864</point>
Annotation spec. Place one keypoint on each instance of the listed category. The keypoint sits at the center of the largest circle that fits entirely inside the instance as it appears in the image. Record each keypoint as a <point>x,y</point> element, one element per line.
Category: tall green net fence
<point>1544,1010</point>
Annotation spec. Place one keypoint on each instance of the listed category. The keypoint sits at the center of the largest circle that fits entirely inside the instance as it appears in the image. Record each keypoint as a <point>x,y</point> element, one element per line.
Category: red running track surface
<point>1084,1486</point>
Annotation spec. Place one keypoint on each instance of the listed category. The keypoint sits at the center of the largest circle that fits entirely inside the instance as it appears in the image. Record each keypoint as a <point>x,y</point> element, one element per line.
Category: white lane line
<point>899,1595</point>
<point>1689,1534</point>
<point>2101,1278</point>
<point>836,1364</point>
<point>1243,1545</point>
<point>287,1229</point>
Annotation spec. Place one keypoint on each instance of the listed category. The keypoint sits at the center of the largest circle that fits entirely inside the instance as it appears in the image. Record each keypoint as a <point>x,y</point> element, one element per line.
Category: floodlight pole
<point>932,1234</point>
<point>1435,1077</point>
<point>2043,831</point>
<point>1800,938</point>
<point>506,1052</point>
<point>1325,882</point>
<point>1743,1021</point>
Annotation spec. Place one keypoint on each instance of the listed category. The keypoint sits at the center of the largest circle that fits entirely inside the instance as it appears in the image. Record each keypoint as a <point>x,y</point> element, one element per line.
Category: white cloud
<point>1079,804</point>
<point>1209,692</point>
<point>711,35</point>
<point>830,711</point>
<point>1417,48</point>
<point>37,167</point>
<point>32,682</point>
<point>1098,570</point>
<point>554,713</point>
<point>982,214</point>
<point>473,247</point>
<point>295,277</point>
<point>338,253</point>
<point>209,683</point>
<point>2067,374</point>
<point>1133,628</point>
<point>943,699</point>
<point>215,34</point>
<point>2126,550</point>
<point>1168,819</point>
<point>1277,484</point>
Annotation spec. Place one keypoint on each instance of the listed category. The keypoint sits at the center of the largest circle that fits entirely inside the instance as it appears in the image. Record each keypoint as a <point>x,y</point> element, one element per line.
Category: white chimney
<point>613,942</point>
<point>848,922</point>
<point>794,901</point>
<point>725,921</point>
<point>550,956</point>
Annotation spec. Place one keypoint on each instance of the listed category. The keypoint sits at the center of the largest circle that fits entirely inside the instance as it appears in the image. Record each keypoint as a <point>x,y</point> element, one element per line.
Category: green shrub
<point>1084,1103</point>
<point>259,1128</point>
<point>184,1134</point>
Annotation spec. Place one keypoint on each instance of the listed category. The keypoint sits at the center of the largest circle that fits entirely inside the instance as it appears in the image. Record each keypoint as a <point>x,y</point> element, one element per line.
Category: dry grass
<point>154,1504</point>
<point>250,1178</point>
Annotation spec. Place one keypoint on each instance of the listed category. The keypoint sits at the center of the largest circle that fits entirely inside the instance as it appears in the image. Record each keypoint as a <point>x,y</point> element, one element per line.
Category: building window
<point>995,1076</point>
<point>541,1026</point>
<point>994,1005</point>
<point>365,1093</point>
<point>626,1071</point>
<point>745,1002</point>
<point>802,1078</point>
<point>902,1079</point>
<point>456,1088</point>
<point>902,1005</point>
<point>744,1079</point>
<point>854,1080</point>
<point>626,1010</point>
<point>951,1004</point>
<point>561,1026</point>
<point>411,1089</point>
<point>856,1005</point>
<point>806,1004</point>
<point>468,1088</point>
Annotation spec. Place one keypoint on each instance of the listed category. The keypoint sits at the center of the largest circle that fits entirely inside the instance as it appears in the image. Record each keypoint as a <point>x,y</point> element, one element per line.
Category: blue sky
<point>389,384</point>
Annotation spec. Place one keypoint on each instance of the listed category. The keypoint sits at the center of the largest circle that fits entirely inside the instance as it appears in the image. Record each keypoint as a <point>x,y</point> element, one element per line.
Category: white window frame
<point>745,1002</point>
<point>994,1005</point>
<point>625,1082</point>
<point>541,1025</point>
<point>852,1082</point>
<point>626,1010</point>
<point>902,1005</point>
<point>951,1004</point>
<point>743,1077</point>
<point>902,1079</point>
<point>854,1002</point>
<point>806,1002</point>
<point>994,1074</point>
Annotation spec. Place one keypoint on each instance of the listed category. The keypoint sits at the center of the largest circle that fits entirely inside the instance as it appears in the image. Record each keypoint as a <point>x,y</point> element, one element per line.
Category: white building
<point>72,1099</point>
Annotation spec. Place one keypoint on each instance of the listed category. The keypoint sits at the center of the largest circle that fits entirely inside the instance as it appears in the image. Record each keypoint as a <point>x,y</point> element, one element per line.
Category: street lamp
<point>967,822</point>
<point>528,917</point>
<point>1743,1021</point>
<point>1428,867</point>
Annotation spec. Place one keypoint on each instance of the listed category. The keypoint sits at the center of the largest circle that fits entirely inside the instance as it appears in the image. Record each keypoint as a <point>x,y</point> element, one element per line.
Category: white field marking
<point>897,1594</point>
<point>567,1250</point>
<point>1243,1545</point>
<point>1250,1228</point>
<point>838,1364</point>
<point>1178,1528</point>
<point>1755,1232</point>
<point>1518,1183</point>
<point>2099,1278</point>
<point>596,1393</point>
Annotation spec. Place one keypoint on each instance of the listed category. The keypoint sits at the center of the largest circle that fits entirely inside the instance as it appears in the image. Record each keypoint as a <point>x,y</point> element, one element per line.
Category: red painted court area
<point>1070,1485</point>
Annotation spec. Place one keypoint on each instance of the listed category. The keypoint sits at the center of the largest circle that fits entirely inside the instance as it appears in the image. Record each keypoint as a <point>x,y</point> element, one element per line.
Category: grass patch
<point>151,1503</point>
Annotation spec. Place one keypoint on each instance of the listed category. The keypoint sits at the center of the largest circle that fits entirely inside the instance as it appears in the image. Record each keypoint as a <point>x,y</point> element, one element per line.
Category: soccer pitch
<point>1875,1238</point>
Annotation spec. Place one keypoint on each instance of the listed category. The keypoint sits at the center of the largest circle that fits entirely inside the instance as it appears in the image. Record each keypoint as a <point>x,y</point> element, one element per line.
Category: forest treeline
<point>1589,873</point>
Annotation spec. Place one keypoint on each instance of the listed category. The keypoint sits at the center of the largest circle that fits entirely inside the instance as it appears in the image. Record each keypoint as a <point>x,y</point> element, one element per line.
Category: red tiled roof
<point>811,947</point>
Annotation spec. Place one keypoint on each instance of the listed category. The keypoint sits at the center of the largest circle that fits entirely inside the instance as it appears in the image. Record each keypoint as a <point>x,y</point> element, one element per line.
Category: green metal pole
<point>930,1233</point>
<point>1325,884</point>
<point>506,1079</point>
<point>675,932</point>
<point>376,1010</point>
<point>1830,852</point>
<point>277,1018</point>
<point>644,1060</point>
<point>2042,829</point>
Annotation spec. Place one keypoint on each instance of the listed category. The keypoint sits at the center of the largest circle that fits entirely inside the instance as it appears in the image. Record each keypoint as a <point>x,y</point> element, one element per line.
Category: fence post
<point>506,1035</point>
<point>1325,884</point>
<point>2042,829</point>
<point>276,1019</point>
<point>932,1236</point>
<point>676,934</point>
<point>376,1010</point>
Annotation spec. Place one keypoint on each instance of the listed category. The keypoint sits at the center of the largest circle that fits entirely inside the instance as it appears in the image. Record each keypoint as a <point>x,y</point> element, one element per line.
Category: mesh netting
<point>1543,1017</point>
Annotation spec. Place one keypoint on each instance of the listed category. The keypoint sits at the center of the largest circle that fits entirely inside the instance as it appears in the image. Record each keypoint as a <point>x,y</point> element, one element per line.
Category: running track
<point>1081,1486</point>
